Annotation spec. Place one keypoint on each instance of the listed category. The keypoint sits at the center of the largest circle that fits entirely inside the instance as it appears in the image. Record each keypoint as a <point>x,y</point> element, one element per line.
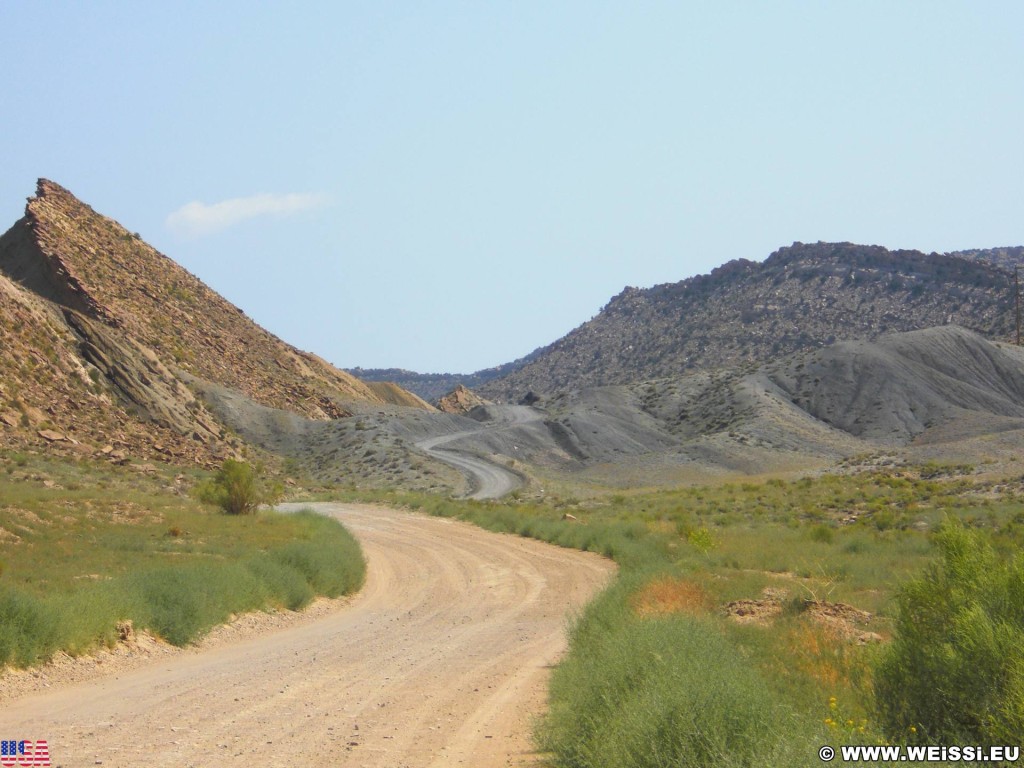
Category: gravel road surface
<point>488,480</point>
<point>441,660</point>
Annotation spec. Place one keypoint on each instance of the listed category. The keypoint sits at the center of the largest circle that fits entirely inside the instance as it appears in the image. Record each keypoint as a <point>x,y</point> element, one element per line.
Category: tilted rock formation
<point>66,252</point>
<point>461,400</point>
<point>152,392</point>
<point>392,393</point>
<point>52,394</point>
<point>96,322</point>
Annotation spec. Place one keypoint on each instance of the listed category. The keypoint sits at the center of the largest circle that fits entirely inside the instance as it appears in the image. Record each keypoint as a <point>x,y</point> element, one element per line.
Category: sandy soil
<point>441,660</point>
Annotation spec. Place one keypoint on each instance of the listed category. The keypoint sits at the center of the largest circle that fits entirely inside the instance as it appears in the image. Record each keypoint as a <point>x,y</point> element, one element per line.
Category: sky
<point>446,186</point>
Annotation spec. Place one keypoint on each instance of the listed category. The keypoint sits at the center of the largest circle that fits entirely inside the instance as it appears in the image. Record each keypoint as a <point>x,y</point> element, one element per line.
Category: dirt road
<point>488,480</point>
<point>441,660</point>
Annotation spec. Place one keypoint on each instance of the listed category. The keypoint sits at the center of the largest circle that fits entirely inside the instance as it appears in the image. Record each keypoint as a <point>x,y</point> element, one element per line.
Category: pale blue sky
<point>446,186</point>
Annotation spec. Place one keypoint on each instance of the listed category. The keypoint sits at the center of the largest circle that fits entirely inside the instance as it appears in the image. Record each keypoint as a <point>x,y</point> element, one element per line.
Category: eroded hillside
<point>942,392</point>
<point>103,337</point>
<point>801,297</point>
<point>66,252</point>
<point>52,395</point>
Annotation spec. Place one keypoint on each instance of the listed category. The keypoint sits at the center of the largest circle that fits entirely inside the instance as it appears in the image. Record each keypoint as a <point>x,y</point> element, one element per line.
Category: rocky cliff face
<point>77,387</point>
<point>101,333</point>
<point>801,297</point>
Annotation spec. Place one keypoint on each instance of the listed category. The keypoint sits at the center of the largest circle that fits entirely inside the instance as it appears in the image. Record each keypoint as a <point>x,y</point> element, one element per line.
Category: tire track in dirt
<point>441,660</point>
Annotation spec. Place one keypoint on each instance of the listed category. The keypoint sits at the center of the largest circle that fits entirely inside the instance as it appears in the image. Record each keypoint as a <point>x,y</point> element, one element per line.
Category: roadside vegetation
<point>752,623</point>
<point>85,547</point>
<point>955,670</point>
<point>239,488</point>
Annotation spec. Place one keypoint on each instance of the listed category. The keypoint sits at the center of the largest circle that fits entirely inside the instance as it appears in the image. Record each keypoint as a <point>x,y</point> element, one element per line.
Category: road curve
<point>487,479</point>
<point>441,660</point>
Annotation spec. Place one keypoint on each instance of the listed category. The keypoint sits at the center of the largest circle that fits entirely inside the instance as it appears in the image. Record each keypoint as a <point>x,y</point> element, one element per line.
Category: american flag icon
<point>14,752</point>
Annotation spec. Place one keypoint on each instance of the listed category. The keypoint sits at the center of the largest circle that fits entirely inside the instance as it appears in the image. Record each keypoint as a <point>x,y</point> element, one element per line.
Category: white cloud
<point>196,219</point>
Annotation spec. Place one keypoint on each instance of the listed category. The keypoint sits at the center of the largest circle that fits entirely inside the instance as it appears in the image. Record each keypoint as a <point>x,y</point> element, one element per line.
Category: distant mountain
<point>102,336</point>
<point>801,297</point>
<point>433,386</point>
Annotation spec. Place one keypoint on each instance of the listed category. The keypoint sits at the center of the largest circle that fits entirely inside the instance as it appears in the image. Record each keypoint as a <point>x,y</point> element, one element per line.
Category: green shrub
<point>955,670</point>
<point>670,691</point>
<point>822,534</point>
<point>181,602</point>
<point>283,583</point>
<point>29,630</point>
<point>331,563</point>
<point>238,489</point>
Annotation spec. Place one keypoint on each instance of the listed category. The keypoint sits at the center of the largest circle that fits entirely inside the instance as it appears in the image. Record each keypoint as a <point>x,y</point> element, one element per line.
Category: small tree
<point>238,489</point>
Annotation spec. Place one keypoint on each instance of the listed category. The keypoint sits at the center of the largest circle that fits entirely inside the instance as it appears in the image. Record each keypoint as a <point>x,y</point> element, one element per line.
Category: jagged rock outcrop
<point>461,400</point>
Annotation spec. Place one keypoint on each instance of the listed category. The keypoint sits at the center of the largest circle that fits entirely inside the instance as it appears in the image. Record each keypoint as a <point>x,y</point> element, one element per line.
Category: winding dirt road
<point>487,479</point>
<point>441,660</point>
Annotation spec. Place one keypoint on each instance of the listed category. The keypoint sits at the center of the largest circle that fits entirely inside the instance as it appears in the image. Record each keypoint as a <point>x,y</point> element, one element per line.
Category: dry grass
<point>818,652</point>
<point>667,595</point>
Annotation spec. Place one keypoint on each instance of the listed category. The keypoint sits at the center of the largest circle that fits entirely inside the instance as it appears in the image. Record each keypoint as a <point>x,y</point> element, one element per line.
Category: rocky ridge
<point>1007,258</point>
<point>102,335</point>
<point>745,312</point>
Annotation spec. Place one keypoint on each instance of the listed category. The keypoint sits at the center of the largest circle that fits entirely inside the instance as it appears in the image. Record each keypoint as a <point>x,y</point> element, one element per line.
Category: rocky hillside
<point>929,391</point>
<point>801,297</point>
<point>126,404</point>
<point>1005,258</point>
<point>102,335</point>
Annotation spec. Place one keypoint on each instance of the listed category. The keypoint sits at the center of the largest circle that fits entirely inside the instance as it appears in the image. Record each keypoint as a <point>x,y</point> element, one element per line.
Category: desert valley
<point>789,497</point>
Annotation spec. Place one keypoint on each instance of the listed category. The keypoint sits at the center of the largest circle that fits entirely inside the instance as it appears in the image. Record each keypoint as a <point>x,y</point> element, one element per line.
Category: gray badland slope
<point>807,409</point>
<point>944,383</point>
<point>899,387</point>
